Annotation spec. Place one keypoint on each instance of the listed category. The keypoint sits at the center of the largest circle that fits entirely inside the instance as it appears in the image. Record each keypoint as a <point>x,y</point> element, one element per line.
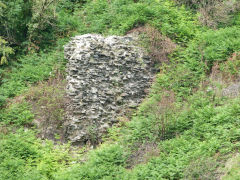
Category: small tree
<point>43,21</point>
<point>29,22</point>
<point>15,15</point>
<point>5,51</point>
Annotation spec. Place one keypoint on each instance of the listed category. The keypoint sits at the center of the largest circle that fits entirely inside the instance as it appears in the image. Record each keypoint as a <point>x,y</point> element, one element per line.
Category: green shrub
<point>212,46</point>
<point>190,66</point>
<point>14,19</point>
<point>107,162</point>
<point>49,102</point>
<point>211,132</point>
<point>119,17</point>
<point>29,70</point>
<point>15,145</point>
<point>17,115</point>
<point>5,51</point>
<point>23,156</point>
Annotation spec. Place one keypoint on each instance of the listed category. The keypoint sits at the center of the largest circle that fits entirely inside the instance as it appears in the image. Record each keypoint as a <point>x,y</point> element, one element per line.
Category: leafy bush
<point>40,28</point>
<point>23,156</point>
<point>5,51</point>
<point>208,135</point>
<point>49,102</point>
<point>30,25</point>
<point>31,69</point>
<point>107,162</point>
<point>212,46</point>
<point>14,19</point>
<point>17,114</point>
<point>118,17</point>
<point>158,46</point>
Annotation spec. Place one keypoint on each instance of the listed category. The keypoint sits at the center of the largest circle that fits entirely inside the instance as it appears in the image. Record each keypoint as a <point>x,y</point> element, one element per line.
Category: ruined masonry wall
<point>106,76</point>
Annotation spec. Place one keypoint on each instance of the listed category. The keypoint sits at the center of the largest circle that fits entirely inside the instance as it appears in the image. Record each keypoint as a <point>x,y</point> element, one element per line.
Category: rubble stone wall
<point>106,76</point>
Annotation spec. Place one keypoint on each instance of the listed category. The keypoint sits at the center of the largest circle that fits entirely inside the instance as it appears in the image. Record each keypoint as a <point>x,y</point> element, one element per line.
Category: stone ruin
<point>106,77</point>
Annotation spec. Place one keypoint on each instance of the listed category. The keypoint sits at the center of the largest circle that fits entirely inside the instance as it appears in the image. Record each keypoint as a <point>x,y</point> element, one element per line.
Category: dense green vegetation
<point>184,129</point>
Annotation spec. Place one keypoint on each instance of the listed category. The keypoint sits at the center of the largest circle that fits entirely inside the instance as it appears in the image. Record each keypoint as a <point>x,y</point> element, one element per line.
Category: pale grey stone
<point>105,76</point>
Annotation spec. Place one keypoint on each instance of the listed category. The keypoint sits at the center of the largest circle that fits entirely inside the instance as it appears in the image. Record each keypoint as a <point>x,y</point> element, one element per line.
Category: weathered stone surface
<point>232,90</point>
<point>105,77</point>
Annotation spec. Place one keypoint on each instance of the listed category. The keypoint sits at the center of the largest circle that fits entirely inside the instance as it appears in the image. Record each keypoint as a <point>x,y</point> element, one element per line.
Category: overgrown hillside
<point>188,127</point>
